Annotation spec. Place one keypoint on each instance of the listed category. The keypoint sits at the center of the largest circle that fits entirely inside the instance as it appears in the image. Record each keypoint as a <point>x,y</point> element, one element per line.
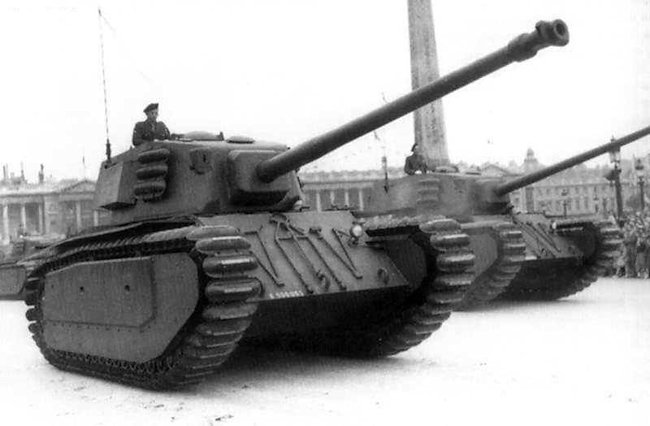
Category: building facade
<point>576,191</point>
<point>327,190</point>
<point>46,208</point>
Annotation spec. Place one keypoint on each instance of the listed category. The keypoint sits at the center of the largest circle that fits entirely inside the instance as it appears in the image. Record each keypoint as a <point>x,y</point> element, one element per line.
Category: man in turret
<point>415,162</point>
<point>150,129</point>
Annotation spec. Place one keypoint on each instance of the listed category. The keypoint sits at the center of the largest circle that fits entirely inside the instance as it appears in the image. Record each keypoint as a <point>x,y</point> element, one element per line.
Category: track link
<point>207,339</point>
<point>490,284</point>
<point>448,260</point>
<point>569,282</point>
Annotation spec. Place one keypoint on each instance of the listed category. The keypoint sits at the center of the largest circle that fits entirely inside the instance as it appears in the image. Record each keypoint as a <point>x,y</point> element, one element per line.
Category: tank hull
<point>25,255</point>
<point>556,257</point>
<point>164,304</point>
<point>564,256</point>
<point>12,277</point>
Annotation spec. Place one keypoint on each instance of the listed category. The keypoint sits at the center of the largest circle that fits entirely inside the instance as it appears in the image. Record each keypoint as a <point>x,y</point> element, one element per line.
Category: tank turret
<point>199,176</point>
<point>465,194</point>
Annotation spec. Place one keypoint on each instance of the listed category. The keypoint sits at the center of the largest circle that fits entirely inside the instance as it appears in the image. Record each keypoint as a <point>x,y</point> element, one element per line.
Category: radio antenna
<point>101,46</point>
<point>384,157</point>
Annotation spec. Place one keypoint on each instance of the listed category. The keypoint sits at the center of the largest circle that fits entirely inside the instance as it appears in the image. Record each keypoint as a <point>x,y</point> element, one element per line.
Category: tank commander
<point>415,162</point>
<point>150,129</point>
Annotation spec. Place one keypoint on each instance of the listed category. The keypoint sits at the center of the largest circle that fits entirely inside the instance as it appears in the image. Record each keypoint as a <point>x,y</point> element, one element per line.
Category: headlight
<point>356,231</point>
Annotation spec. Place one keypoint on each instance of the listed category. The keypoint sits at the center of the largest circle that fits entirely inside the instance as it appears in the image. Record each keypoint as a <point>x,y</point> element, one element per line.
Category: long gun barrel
<point>523,47</point>
<point>531,178</point>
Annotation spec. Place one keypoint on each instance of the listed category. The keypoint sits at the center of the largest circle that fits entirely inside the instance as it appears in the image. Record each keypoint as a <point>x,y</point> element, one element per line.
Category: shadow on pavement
<point>511,305</point>
<point>254,366</point>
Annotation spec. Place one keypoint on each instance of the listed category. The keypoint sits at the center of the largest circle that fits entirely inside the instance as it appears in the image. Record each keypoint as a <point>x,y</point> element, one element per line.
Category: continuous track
<point>221,317</point>
<point>489,285</point>
<point>448,260</point>
<point>553,285</point>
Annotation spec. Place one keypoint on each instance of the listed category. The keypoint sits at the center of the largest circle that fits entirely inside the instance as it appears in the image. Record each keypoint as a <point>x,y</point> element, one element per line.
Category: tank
<point>593,244</point>
<point>518,255</point>
<point>21,260</point>
<point>208,246</point>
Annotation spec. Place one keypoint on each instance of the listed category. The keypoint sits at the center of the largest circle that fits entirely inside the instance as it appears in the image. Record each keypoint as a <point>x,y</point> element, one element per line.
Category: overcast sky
<point>286,70</point>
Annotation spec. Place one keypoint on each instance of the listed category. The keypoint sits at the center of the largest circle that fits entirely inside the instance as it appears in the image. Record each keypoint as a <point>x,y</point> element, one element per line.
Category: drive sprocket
<point>490,284</point>
<point>447,260</point>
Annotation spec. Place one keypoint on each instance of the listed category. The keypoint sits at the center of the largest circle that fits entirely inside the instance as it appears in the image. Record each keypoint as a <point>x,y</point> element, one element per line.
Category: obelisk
<point>430,140</point>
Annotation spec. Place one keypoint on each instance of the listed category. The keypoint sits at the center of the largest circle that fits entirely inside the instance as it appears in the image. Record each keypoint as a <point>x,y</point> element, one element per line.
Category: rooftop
<point>47,187</point>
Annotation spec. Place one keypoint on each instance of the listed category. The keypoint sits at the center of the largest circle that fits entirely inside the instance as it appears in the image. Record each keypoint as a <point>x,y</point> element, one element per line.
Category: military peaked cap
<point>150,107</point>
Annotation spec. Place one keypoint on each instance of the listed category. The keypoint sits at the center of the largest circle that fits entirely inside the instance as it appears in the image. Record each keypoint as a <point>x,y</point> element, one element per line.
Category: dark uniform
<point>148,131</point>
<point>415,162</point>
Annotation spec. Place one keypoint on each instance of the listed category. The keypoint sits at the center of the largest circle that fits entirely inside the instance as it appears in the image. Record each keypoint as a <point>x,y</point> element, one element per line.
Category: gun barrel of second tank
<point>523,47</point>
<point>538,175</point>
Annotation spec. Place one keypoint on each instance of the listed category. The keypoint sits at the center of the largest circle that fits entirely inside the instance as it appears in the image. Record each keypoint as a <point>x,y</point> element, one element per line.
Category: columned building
<point>47,208</point>
<point>327,190</point>
<point>578,191</point>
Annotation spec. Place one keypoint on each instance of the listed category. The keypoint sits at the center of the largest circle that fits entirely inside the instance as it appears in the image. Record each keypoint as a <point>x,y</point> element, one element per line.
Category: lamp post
<point>638,168</point>
<point>614,176</point>
<point>564,193</point>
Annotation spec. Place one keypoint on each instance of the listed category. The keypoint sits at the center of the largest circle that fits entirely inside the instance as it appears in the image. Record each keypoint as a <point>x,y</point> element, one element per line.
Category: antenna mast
<point>384,157</point>
<point>101,45</point>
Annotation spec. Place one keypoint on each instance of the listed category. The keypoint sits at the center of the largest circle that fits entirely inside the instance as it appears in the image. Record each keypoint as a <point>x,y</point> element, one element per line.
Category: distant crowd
<point>634,261</point>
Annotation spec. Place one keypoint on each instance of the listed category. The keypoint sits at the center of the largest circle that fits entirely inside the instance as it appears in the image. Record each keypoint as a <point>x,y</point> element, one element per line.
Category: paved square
<point>583,360</point>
